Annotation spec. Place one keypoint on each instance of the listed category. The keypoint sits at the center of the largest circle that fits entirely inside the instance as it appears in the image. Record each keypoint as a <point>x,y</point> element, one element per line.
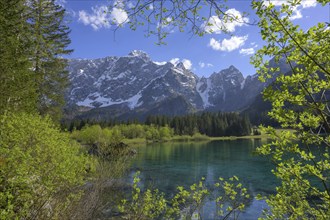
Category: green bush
<point>40,168</point>
<point>200,137</point>
<point>96,135</point>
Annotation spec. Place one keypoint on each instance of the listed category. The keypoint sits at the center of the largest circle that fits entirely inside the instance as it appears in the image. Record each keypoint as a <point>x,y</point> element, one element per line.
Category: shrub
<point>40,168</point>
<point>96,135</point>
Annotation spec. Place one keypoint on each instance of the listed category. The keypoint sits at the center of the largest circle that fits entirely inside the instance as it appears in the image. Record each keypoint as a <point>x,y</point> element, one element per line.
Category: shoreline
<point>142,141</point>
<point>198,138</point>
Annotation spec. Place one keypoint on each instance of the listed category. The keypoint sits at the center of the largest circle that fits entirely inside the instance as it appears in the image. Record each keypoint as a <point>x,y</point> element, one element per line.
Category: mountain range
<point>134,86</point>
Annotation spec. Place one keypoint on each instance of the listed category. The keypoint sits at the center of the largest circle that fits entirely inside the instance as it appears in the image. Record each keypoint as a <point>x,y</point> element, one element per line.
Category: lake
<point>168,165</point>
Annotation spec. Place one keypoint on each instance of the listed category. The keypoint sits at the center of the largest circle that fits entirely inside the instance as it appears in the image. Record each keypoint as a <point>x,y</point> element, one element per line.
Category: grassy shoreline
<point>199,138</point>
<point>186,138</point>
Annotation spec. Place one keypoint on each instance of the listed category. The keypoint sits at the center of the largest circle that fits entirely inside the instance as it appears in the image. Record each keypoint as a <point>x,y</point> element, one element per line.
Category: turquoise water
<point>167,165</point>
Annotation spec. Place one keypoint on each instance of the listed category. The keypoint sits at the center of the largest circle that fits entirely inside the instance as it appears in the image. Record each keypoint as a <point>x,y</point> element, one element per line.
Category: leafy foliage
<point>149,205</point>
<point>41,168</point>
<point>111,136</point>
<point>186,203</point>
<point>234,194</point>
<point>95,134</point>
<point>299,101</point>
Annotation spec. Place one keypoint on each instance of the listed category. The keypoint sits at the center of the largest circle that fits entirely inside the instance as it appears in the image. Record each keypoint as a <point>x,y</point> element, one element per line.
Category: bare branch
<point>162,17</point>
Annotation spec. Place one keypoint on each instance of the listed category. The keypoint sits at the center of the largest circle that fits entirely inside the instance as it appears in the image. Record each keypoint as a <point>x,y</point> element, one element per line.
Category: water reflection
<point>167,165</point>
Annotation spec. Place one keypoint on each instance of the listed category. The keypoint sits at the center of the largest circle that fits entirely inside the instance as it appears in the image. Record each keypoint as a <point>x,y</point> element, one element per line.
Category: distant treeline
<point>212,124</point>
<point>208,123</point>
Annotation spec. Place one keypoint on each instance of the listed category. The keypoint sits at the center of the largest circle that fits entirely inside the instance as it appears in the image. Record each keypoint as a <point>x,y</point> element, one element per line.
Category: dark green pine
<point>51,39</point>
<point>17,87</point>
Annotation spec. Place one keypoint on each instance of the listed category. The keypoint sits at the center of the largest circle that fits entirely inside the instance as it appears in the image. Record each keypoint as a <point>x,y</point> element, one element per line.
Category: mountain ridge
<point>137,85</point>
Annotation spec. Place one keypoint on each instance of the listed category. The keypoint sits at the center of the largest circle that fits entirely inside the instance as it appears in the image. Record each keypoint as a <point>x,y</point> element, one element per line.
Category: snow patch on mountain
<point>243,84</point>
<point>178,71</point>
<point>205,93</point>
<point>96,100</point>
<point>133,102</point>
<point>160,63</point>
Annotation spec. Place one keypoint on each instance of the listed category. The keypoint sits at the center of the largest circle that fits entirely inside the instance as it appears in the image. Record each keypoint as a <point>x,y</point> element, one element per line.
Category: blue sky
<point>93,38</point>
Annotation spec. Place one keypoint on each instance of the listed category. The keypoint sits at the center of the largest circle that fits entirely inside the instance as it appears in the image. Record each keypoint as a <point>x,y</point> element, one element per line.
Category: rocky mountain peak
<point>140,54</point>
<point>232,73</point>
<point>229,73</point>
<point>180,65</point>
<point>134,84</point>
<point>232,68</point>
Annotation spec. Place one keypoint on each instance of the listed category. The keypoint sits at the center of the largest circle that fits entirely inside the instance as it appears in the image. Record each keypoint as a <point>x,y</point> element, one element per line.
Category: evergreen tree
<point>208,123</point>
<point>50,39</point>
<point>17,85</point>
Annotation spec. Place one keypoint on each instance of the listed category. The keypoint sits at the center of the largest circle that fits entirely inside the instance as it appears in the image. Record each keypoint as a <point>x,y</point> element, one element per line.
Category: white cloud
<point>247,51</point>
<point>187,64</point>
<point>303,3</point>
<point>217,25</point>
<point>308,3</point>
<point>101,17</point>
<point>202,64</point>
<point>98,19</point>
<point>296,14</point>
<point>275,2</point>
<point>119,16</point>
<point>228,44</point>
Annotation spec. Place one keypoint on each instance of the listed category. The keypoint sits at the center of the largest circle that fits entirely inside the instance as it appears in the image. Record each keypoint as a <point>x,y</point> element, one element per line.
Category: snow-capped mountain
<point>135,86</point>
<point>220,90</point>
